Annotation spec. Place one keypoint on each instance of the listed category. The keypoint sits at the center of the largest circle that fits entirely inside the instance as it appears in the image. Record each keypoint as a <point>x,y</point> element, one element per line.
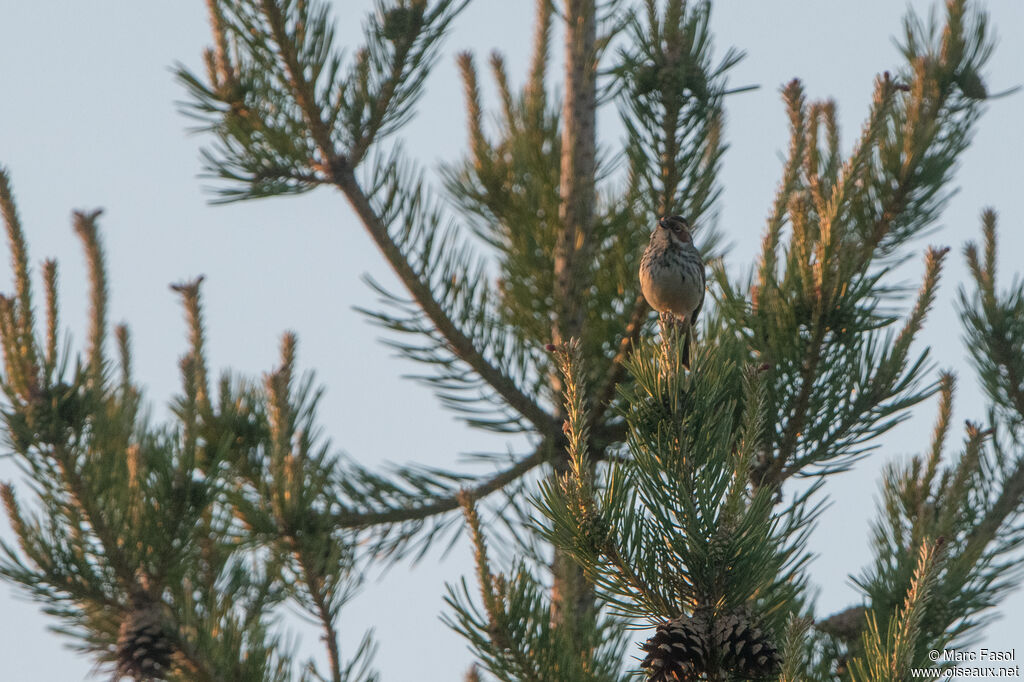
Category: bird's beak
<point>661,224</point>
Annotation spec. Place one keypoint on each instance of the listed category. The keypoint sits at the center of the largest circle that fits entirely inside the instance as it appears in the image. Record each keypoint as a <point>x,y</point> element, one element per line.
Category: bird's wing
<point>696,311</point>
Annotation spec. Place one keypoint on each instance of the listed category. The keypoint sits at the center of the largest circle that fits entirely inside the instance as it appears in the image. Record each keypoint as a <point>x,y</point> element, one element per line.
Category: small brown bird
<point>672,275</point>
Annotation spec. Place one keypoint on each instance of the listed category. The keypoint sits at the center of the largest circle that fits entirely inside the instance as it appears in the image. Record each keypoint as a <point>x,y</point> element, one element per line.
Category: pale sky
<point>88,119</point>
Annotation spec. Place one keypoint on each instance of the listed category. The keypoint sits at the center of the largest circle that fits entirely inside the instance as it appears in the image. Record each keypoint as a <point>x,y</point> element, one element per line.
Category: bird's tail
<point>687,336</point>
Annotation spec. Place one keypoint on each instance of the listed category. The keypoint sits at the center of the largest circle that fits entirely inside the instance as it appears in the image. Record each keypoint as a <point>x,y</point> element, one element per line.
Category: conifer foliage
<point>651,527</point>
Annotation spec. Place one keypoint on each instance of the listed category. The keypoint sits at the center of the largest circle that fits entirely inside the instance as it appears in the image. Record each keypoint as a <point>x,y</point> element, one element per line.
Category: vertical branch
<point>125,357</point>
<point>889,654</point>
<point>14,517</point>
<point>302,88</point>
<point>50,287</point>
<point>926,297</point>
<point>483,569</point>
<point>508,103</point>
<point>222,74</point>
<point>279,410</point>
<point>569,358</point>
<point>17,374</point>
<point>672,104</point>
<point>535,94</point>
<point>193,314</point>
<point>794,651</point>
<point>189,409</point>
<point>494,596</point>
<point>296,484</point>
<point>793,96</point>
<point>946,384</point>
<point>477,141</point>
<point>19,263</point>
<point>85,226</point>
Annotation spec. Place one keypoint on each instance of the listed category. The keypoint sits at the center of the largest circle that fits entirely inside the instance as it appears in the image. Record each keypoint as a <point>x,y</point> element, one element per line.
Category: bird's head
<point>675,228</point>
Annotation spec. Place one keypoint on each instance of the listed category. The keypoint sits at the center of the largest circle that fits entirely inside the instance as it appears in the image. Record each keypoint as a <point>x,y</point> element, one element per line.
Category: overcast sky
<point>88,119</point>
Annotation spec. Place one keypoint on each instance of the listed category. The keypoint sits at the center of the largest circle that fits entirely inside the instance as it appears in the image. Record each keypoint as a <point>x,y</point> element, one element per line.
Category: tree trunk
<point>572,599</point>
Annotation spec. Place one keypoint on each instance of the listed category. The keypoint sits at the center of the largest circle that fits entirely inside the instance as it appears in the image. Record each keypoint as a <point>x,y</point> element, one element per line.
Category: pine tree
<point>655,527</point>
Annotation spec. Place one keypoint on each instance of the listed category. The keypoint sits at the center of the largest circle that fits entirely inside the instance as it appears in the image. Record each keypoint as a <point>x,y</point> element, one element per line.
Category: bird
<point>672,276</point>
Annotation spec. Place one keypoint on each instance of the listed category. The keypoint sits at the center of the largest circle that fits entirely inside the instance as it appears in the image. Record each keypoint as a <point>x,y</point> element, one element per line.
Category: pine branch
<point>395,507</point>
<point>995,333</point>
<point>510,187</point>
<point>19,264</point>
<point>414,34</point>
<point>836,388</point>
<point>85,226</point>
<point>126,527</point>
<point>535,91</point>
<point>302,89</point>
<point>301,488</point>
<point>793,96</point>
<point>494,600</point>
<point>932,126</point>
<point>670,99</point>
<point>52,324</point>
<point>794,651</point>
<point>1005,507</point>
<point>891,377</point>
<point>972,505</point>
<point>775,474</point>
<point>94,516</point>
<point>376,96</point>
<point>193,315</point>
<point>889,655</point>
<point>513,632</point>
<point>441,505</point>
<point>651,600</point>
<point>461,345</point>
<point>617,367</point>
<point>665,532</point>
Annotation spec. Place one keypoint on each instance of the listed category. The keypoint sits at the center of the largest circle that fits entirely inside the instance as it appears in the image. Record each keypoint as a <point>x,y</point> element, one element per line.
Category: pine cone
<point>679,651</point>
<point>744,649</point>
<point>144,649</point>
